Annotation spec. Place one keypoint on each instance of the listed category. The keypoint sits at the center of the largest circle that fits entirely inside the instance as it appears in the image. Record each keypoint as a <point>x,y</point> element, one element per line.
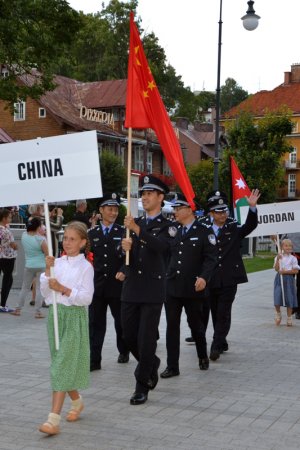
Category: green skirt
<point>70,365</point>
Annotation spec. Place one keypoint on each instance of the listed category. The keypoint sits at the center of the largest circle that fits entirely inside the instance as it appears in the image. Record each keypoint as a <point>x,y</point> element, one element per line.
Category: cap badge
<point>114,196</point>
<point>146,179</point>
<point>221,201</point>
<point>218,193</point>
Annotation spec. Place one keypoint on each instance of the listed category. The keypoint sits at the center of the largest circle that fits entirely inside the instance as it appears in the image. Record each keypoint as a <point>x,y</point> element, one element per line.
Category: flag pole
<point>50,252</point>
<point>129,163</point>
<point>281,277</point>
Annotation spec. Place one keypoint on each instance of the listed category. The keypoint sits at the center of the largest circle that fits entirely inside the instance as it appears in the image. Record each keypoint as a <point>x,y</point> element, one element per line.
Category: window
<point>138,159</point>
<point>19,113</point>
<point>122,155</point>
<point>42,113</point>
<point>166,168</point>
<point>292,184</point>
<point>149,162</point>
<point>293,156</point>
<point>295,127</point>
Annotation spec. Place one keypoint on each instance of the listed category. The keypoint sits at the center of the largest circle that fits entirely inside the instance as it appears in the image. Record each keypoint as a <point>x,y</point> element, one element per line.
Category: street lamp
<point>250,22</point>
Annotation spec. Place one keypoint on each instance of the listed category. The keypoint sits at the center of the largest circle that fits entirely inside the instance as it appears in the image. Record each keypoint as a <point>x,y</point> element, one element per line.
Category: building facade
<point>285,95</point>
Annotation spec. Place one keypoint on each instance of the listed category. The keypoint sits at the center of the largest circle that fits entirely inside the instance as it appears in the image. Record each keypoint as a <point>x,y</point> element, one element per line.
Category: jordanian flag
<point>240,189</point>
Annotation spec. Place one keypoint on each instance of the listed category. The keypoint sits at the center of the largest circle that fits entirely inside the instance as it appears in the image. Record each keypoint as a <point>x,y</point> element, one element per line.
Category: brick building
<point>76,106</point>
<point>286,94</point>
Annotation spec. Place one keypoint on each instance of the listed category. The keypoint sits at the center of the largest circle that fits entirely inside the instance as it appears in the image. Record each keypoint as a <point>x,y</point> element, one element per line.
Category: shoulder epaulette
<point>231,220</point>
<point>204,224</point>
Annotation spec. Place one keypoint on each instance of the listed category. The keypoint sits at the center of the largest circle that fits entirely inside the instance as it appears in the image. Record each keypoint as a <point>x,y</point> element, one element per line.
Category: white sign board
<point>50,169</point>
<point>275,218</point>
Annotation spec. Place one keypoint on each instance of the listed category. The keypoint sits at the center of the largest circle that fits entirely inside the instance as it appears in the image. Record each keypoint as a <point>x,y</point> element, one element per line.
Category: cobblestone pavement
<point>247,400</point>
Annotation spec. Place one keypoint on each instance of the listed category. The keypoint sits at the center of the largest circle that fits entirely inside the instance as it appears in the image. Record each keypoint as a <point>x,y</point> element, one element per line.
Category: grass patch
<point>262,261</point>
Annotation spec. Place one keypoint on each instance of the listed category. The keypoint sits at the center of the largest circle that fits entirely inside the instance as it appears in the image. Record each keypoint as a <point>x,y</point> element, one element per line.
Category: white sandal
<point>289,322</point>
<point>277,318</point>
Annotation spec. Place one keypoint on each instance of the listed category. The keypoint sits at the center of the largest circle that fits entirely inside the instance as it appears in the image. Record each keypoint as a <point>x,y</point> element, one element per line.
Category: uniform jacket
<point>108,260</point>
<point>145,280</point>
<point>230,268</point>
<point>192,255</point>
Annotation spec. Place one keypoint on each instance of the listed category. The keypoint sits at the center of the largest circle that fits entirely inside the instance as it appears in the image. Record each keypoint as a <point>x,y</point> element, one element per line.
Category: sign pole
<point>49,241</point>
<point>281,277</point>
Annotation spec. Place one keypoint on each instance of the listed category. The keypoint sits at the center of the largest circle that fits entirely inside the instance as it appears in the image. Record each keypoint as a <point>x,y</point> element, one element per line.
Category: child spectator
<point>286,266</point>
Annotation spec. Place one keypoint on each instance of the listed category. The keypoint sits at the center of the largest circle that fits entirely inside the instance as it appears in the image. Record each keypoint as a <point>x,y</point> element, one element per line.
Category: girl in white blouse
<point>286,266</point>
<point>74,287</point>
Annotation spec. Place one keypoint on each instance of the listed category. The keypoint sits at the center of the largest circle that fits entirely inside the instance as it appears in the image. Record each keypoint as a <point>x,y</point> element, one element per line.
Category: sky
<point>188,32</point>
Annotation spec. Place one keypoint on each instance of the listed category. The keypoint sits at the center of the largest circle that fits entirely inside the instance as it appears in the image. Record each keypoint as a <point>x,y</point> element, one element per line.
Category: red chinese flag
<point>240,188</point>
<point>145,109</point>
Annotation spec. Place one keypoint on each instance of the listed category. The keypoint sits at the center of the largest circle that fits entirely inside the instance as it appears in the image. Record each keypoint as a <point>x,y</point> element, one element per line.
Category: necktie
<point>184,231</point>
<point>148,220</point>
<point>106,231</point>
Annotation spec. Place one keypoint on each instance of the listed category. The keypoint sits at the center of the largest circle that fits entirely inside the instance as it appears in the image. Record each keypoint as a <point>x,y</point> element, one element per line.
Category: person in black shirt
<point>105,241</point>
<point>80,214</point>
<point>144,287</point>
<point>193,259</point>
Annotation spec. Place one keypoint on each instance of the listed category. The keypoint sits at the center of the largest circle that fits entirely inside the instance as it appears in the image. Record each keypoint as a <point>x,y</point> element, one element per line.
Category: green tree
<point>231,95</point>
<point>206,99</point>
<point>100,51</point>
<point>201,176</point>
<point>257,147</point>
<point>192,105</point>
<point>187,105</point>
<point>113,174</point>
<point>33,34</point>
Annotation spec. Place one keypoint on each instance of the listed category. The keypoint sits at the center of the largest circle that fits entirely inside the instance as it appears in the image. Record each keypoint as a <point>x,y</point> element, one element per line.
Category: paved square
<point>247,400</point>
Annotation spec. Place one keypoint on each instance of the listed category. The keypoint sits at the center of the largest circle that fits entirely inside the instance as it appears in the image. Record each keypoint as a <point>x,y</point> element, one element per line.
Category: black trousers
<point>7,267</point>
<point>196,312</point>
<point>140,323</point>
<point>221,300</point>
<point>97,325</point>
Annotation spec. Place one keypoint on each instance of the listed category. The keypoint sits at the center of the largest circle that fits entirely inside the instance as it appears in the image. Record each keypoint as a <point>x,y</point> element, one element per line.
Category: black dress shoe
<point>95,366</point>
<point>154,376</point>
<point>297,315</point>
<point>168,373</point>
<point>204,363</point>
<point>190,340</point>
<point>214,354</point>
<point>123,358</point>
<point>225,347</point>
<point>138,398</point>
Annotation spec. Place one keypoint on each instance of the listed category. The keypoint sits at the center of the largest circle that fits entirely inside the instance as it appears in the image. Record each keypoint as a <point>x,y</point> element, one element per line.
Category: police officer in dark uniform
<point>193,258</point>
<point>144,288</point>
<point>230,270</point>
<point>106,247</point>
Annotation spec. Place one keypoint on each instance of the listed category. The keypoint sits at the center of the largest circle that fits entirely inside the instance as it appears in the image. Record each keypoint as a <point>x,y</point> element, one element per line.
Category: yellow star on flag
<point>151,85</point>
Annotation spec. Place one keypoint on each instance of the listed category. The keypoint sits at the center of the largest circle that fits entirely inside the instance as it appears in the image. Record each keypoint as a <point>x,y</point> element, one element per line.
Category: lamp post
<point>250,22</point>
